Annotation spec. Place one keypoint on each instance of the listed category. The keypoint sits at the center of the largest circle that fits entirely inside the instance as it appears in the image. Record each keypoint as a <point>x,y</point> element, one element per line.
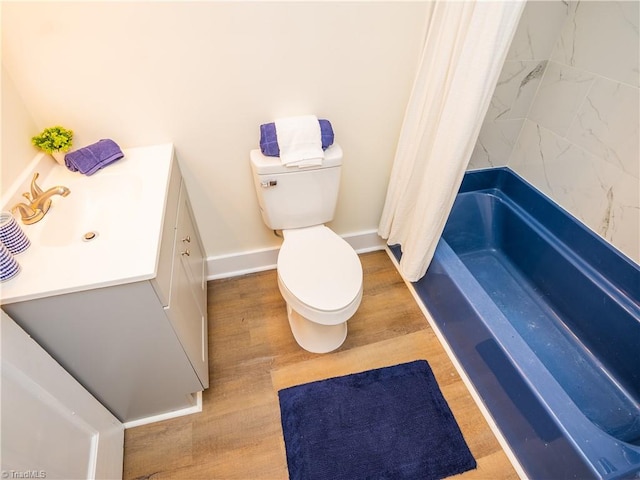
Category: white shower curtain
<point>463,54</point>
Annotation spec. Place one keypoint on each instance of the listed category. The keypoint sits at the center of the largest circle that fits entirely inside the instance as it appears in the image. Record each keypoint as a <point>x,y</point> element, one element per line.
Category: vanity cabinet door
<point>189,323</point>
<point>187,307</point>
<point>192,253</point>
<point>162,282</point>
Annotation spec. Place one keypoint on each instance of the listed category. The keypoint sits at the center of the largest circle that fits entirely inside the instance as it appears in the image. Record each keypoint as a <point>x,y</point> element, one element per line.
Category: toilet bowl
<point>320,278</point>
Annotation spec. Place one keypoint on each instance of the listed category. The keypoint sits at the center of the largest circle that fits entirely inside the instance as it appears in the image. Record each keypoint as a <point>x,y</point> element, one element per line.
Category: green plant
<point>54,139</point>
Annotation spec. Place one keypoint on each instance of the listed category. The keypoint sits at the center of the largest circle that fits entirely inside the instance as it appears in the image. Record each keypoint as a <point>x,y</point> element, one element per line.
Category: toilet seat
<point>319,274</point>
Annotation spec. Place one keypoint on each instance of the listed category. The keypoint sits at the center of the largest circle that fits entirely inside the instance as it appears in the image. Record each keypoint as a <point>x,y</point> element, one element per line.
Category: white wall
<point>17,129</point>
<point>205,75</point>
<point>573,132</point>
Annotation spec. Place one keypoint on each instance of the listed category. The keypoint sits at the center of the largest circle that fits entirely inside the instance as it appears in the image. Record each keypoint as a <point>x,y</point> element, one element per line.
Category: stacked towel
<point>88,160</point>
<point>299,141</point>
<point>269,138</point>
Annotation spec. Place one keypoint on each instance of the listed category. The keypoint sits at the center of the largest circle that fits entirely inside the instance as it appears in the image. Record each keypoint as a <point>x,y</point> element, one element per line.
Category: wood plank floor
<point>253,354</point>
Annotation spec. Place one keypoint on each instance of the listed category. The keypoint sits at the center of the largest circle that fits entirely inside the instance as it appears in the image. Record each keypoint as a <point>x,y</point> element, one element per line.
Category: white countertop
<point>124,203</point>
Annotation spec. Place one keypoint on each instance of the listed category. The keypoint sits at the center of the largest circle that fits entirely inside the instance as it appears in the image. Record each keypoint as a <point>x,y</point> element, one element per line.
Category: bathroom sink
<point>105,232</point>
<point>90,213</point>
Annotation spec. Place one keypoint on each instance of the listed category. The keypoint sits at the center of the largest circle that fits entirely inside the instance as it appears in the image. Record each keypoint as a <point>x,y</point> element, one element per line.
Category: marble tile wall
<point>524,67</point>
<point>578,139</point>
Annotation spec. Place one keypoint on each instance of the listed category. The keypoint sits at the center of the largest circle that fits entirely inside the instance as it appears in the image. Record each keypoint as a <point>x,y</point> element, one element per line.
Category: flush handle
<point>269,183</point>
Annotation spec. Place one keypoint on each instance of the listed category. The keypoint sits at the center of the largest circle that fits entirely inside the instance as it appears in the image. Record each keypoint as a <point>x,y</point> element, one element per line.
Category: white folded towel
<point>300,141</point>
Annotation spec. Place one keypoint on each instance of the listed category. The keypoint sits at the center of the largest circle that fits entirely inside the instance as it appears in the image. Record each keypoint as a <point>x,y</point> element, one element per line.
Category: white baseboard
<point>232,265</point>
<point>195,408</point>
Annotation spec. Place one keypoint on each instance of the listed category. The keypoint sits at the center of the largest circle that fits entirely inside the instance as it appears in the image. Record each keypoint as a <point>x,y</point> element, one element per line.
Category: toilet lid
<point>319,268</point>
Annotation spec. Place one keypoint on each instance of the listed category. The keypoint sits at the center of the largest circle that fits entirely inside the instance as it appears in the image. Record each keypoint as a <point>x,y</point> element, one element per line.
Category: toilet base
<point>313,337</point>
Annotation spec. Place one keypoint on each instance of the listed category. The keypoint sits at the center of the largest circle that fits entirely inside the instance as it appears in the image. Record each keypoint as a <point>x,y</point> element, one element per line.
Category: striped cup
<point>9,267</point>
<point>12,235</point>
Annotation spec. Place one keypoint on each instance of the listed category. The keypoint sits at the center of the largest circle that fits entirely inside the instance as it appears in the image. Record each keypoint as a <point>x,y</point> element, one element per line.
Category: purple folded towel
<point>269,138</point>
<point>88,160</point>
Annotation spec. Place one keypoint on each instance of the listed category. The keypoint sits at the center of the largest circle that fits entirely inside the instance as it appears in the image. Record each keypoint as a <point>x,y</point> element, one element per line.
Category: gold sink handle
<point>29,215</point>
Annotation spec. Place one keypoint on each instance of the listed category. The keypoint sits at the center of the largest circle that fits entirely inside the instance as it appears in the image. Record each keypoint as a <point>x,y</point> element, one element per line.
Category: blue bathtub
<point>544,317</point>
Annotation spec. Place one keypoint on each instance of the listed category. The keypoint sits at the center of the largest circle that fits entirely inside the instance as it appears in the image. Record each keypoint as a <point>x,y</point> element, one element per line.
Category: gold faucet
<point>39,201</point>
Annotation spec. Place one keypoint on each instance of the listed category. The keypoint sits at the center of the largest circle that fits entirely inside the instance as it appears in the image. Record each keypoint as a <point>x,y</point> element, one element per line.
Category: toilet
<point>319,273</point>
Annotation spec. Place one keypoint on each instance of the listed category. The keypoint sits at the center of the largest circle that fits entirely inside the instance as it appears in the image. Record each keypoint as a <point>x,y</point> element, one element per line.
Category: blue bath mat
<point>388,423</point>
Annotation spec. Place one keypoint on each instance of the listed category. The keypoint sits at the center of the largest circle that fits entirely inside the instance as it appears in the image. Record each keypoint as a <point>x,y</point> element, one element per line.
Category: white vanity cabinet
<point>139,346</point>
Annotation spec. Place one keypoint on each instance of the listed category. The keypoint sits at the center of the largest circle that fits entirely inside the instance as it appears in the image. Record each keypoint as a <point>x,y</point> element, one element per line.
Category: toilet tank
<point>294,197</point>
